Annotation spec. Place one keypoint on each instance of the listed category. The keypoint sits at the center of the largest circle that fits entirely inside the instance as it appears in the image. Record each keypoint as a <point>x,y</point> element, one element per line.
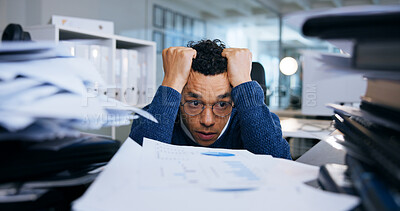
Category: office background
<point>272,32</point>
<point>252,24</point>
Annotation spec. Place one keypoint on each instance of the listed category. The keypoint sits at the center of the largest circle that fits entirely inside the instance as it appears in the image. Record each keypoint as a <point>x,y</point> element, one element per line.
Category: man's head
<point>207,84</point>
<point>209,60</point>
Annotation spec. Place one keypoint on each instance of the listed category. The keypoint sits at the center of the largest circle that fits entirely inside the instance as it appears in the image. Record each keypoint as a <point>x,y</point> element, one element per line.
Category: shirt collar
<point>187,132</point>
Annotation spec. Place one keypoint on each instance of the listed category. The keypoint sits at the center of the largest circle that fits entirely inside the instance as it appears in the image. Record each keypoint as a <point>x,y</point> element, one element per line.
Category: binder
<point>82,51</point>
<point>133,77</point>
<point>335,178</point>
<point>124,74</point>
<point>372,117</point>
<point>55,192</point>
<point>385,25</point>
<point>95,57</point>
<point>377,54</point>
<point>374,194</point>
<point>379,147</point>
<point>70,45</point>
<point>378,109</point>
<point>21,161</point>
<point>105,66</point>
<point>116,87</point>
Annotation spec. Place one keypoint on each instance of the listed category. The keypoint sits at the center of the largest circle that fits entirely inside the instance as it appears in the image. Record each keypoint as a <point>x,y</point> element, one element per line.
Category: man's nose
<point>207,117</point>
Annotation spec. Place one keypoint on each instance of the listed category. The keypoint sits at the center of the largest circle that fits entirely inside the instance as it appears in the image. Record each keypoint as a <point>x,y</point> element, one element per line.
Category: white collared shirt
<point>187,132</point>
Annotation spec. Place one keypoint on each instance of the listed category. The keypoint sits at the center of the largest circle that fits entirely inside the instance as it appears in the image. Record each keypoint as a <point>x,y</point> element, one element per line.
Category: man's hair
<point>209,60</point>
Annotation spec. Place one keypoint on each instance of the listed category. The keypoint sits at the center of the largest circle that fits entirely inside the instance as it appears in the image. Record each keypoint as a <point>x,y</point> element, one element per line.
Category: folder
<point>21,161</point>
<point>133,77</point>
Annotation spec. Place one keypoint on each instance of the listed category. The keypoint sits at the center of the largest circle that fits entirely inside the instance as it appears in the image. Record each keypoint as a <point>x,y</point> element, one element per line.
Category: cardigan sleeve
<point>164,108</point>
<point>260,129</point>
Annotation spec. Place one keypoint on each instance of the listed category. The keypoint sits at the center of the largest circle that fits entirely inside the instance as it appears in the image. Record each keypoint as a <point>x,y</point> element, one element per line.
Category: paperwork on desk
<point>38,88</point>
<point>159,176</point>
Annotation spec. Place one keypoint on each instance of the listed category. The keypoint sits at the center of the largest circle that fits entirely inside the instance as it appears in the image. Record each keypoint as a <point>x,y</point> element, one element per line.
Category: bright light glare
<point>288,66</point>
<point>95,53</point>
<point>72,51</point>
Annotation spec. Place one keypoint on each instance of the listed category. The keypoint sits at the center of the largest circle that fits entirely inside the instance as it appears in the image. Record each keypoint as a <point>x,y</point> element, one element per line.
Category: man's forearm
<point>164,108</point>
<point>260,130</point>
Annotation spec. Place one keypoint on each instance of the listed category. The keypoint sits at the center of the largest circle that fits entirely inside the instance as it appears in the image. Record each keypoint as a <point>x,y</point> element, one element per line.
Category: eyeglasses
<point>195,107</point>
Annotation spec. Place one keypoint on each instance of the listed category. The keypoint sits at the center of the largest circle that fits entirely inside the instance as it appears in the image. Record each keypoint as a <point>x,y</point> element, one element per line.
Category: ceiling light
<point>288,66</point>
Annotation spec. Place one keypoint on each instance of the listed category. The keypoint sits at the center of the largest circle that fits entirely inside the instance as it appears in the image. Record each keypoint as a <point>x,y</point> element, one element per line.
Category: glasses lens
<point>222,108</point>
<point>193,107</point>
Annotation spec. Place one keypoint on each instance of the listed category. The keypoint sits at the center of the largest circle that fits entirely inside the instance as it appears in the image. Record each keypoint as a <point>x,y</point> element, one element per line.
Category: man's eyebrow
<point>194,95</point>
<point>228,94</point>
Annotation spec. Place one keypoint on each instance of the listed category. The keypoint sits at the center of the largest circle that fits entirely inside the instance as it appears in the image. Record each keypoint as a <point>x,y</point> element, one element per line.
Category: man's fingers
<point>179,50</point>
<point>164,52</point>
<point>194,54</point>
<point>225,52</point>
<point>228,52</point>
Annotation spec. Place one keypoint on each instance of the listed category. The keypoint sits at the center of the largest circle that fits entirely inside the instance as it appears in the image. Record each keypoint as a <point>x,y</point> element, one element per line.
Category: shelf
<point>112,67</point>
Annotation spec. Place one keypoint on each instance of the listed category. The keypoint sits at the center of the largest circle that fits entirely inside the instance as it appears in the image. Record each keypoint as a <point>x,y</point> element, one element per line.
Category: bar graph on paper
<point>203,167</point>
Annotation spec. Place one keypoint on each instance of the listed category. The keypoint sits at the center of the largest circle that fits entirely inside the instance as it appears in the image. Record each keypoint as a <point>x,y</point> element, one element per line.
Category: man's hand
<point>177,62</point>
<point>239,65</point>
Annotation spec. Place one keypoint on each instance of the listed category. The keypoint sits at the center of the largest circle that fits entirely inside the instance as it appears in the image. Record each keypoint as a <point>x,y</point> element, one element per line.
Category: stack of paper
<point>49,93</point>
<point>159,176</point>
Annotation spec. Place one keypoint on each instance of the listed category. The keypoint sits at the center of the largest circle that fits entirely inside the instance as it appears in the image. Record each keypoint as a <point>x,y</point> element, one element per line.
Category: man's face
<point>206,126</point>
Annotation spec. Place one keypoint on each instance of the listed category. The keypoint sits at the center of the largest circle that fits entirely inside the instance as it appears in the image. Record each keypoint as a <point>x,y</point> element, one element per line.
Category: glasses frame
<point>204,106</point>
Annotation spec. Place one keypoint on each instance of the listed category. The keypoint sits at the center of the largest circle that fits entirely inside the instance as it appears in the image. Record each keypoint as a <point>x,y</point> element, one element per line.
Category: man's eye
<point>194,103</point>
<point>222,104</point>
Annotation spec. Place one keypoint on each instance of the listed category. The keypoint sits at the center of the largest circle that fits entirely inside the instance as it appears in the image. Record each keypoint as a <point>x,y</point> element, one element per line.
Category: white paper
<point>116,186</point>
<point>53,71</point>
<point>9,88</point>
<point>170,166</point>
<point>14,121</point>
<point>120,186</point>
<point>29,96</point>
<point>21,47</point>
<point>59,89</point>
<point>297,172</point>
<point>112,104</point>
<point>63,106</point>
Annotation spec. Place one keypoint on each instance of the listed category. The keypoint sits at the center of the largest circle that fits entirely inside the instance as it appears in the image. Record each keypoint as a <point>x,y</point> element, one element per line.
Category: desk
<point>306,128</point>
<point>325,151</point>
<point>298,133</point>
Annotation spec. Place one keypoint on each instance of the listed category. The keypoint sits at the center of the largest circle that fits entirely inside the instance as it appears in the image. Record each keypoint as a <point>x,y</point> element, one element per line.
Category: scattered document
<point>160,176</point>
<point>116,188</point>
<point>59,88</point>
<point>170,166</point>
<point>22,51</point>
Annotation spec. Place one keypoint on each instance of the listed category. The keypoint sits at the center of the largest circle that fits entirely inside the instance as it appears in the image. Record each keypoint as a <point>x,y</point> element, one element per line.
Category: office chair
<point>258,74</point>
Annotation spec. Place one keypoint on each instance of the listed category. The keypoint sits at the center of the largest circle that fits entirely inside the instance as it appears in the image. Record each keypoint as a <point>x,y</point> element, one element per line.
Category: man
<point>207,98</point>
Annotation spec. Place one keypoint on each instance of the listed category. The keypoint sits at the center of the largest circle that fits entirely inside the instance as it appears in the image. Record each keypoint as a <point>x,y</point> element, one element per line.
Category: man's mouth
<point>205,136</point>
